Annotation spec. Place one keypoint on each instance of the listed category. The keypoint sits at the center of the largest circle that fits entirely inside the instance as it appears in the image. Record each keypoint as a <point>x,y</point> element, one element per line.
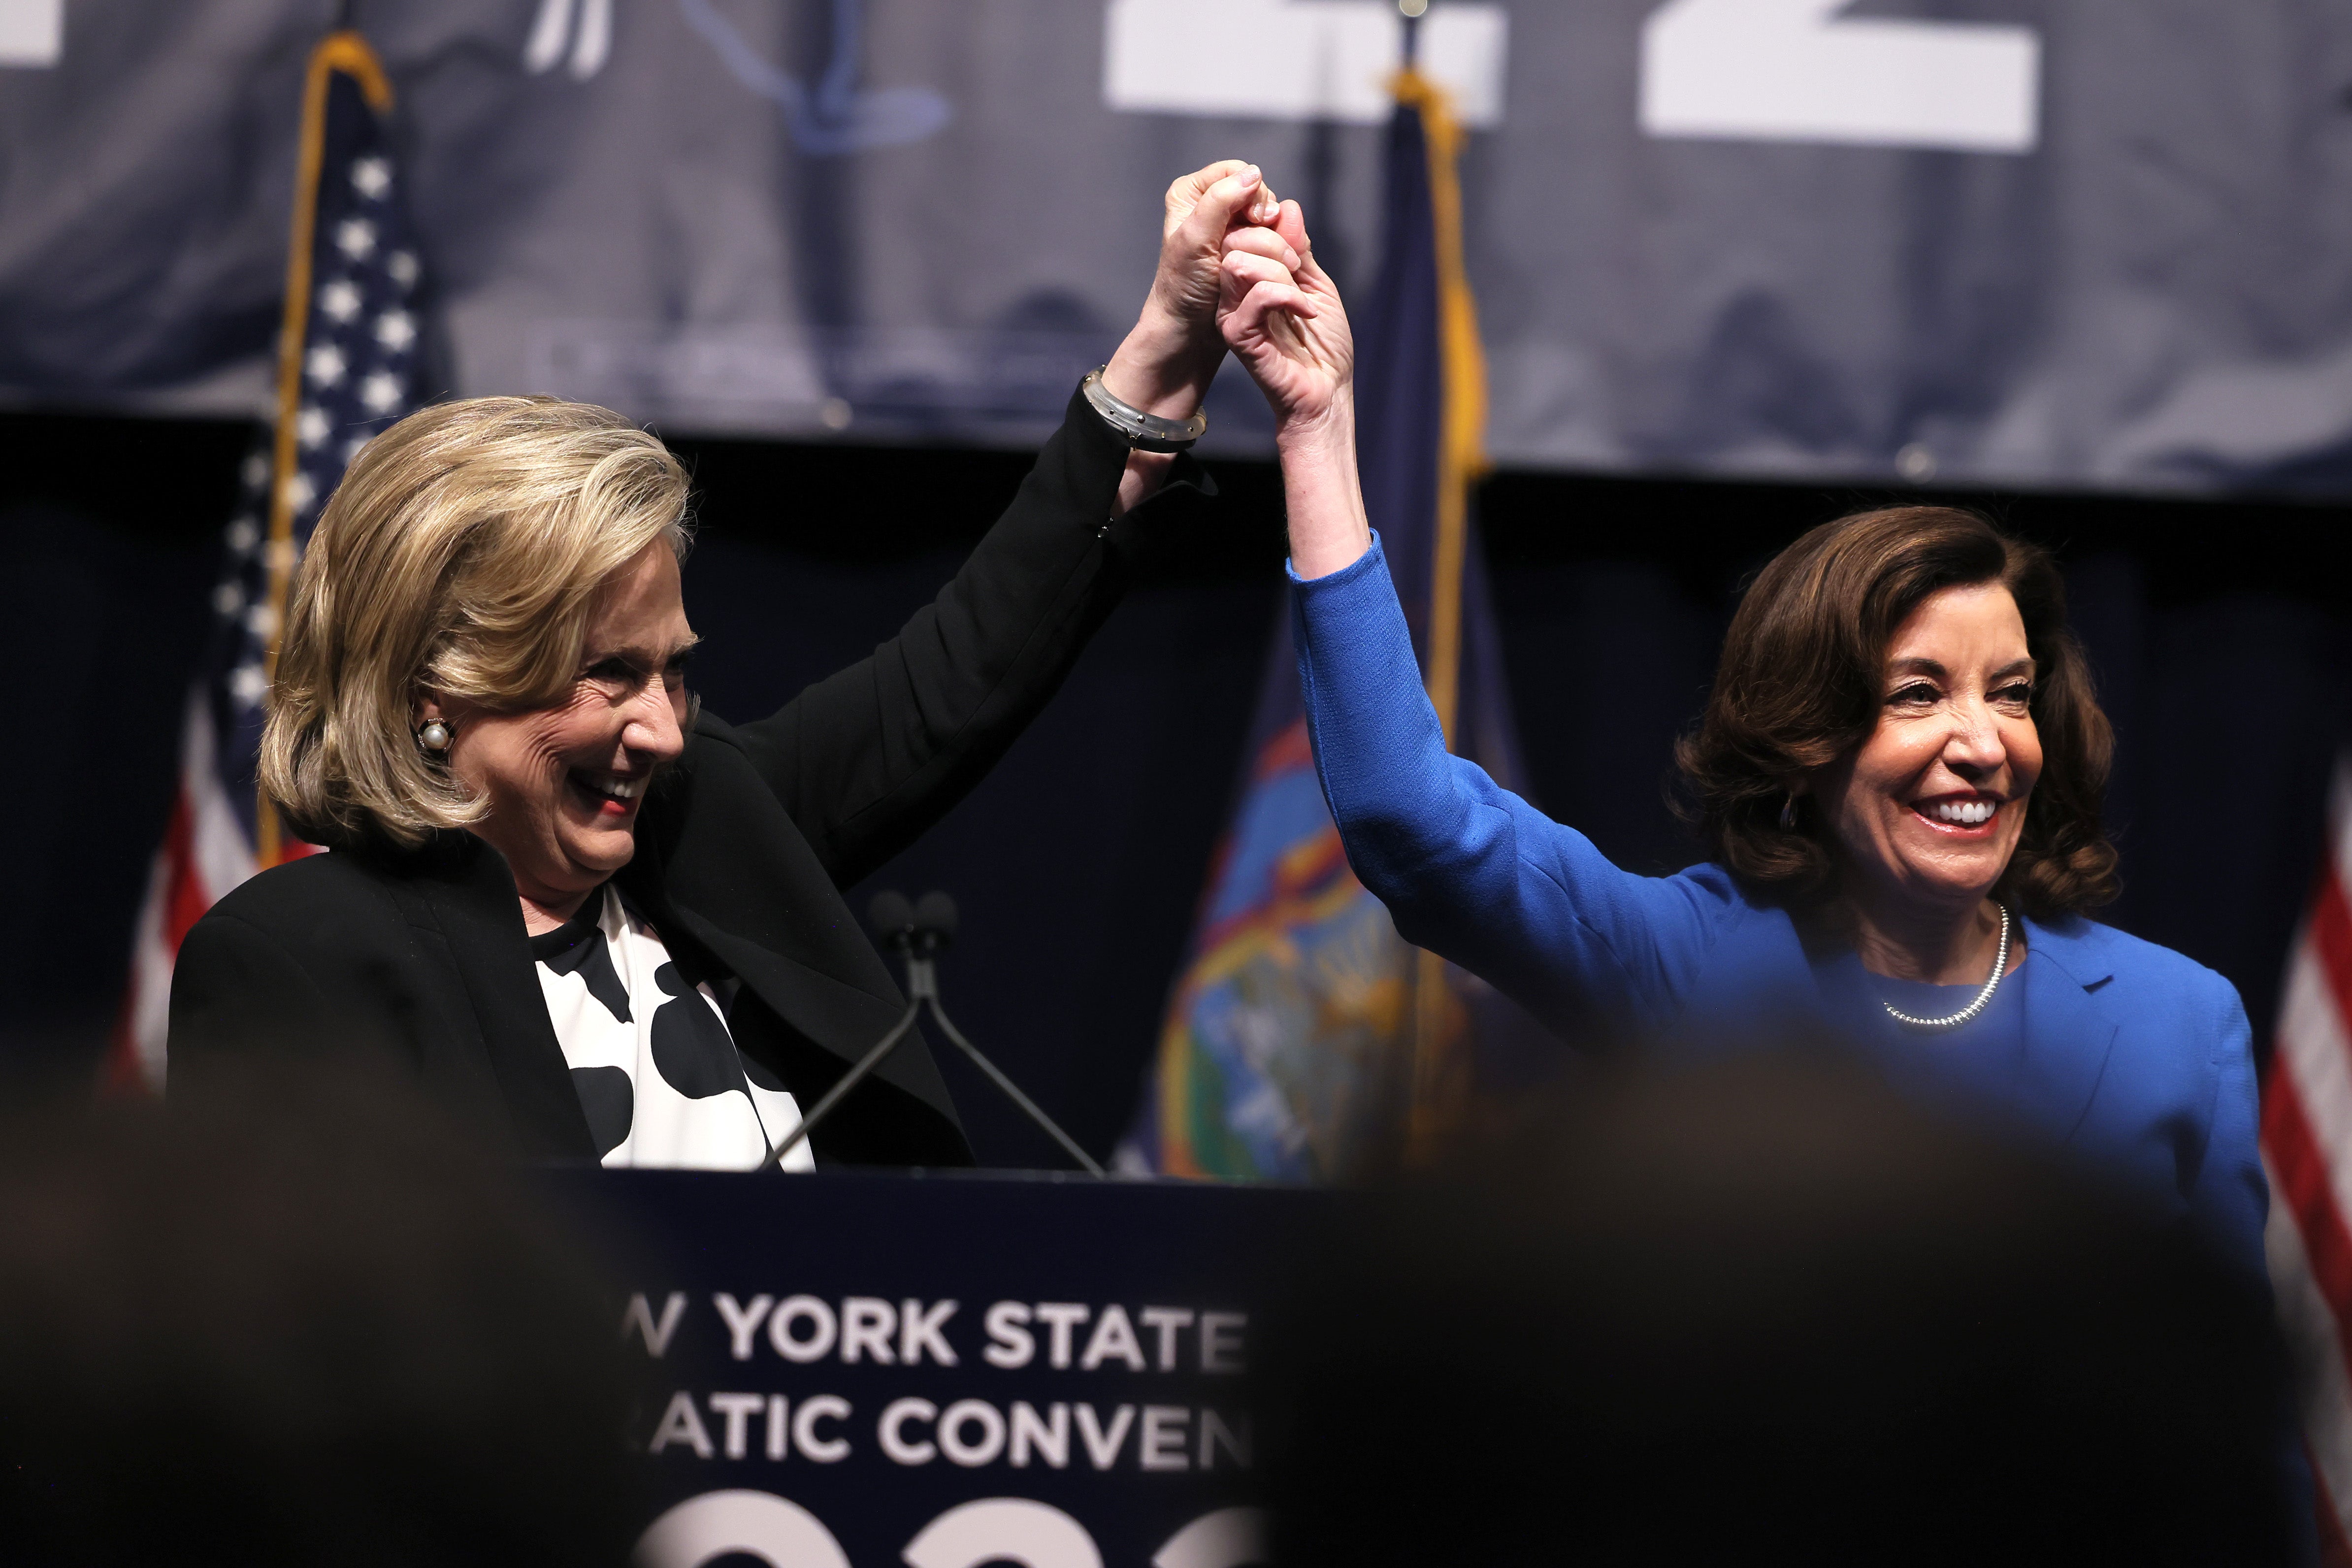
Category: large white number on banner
<point>553,35</point>
<point>1791,71</point>
<point>1295,59</point>
<point>32,32</point>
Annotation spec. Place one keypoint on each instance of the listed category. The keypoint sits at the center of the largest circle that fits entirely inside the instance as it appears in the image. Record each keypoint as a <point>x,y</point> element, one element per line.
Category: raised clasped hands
<point>1279,313</point>
<point>1236,270</point>
<point>1165,365</point>
<point>1167,362</point>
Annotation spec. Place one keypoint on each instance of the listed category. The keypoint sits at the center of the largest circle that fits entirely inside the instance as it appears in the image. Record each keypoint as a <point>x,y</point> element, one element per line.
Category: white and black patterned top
<point>658,1074</point>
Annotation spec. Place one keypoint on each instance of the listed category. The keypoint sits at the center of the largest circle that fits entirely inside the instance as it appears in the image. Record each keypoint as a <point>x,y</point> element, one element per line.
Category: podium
<point>945,1370</point>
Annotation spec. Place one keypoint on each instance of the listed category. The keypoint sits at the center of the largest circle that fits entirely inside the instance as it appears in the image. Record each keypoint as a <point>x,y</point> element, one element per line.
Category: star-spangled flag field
<point>348,366</point>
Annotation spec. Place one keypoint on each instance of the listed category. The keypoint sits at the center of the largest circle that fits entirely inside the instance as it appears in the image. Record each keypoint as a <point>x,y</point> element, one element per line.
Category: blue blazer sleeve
<point>2230,1198</point>
<point>1466,868</point>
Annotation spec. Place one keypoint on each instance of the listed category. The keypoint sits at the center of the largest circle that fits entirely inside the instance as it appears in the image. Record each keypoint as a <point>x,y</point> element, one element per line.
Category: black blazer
<point>742,848</point>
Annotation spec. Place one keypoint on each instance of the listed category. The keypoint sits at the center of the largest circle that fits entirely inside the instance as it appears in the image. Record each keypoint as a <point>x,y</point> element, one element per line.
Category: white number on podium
<point>1229,1537</point>
<point>992,1530</point>
<point>1004,1530</point>
<point>758,1524</point>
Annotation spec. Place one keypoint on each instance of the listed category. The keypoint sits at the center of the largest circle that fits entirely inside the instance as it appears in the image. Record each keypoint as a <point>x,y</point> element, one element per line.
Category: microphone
<point>925,926</point>
<point>935,916</point>
<point>920,930</point>
<point>891,917</point>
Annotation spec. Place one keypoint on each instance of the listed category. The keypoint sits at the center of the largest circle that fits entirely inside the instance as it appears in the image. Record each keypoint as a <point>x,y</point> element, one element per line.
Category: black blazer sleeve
<point>865,760</point>
<point>235,987</point>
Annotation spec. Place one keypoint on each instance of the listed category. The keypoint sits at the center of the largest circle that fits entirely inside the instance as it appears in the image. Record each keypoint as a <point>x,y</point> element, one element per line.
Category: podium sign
<point>854,1371</point>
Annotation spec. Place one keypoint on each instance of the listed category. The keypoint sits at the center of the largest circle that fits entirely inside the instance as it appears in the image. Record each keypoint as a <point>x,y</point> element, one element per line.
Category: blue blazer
<point>2133,1055</point>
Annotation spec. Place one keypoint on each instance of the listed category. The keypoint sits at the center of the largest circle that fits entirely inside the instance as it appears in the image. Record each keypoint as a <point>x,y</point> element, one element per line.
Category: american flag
<point>2307,1151</point>
<point>348,366</point>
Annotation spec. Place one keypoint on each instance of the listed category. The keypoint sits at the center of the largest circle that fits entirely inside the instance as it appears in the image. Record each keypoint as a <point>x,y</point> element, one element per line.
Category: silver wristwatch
<point>1143,432</point>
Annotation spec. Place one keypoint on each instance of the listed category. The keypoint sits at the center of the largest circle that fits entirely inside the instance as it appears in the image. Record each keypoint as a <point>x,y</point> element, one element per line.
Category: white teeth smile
<point>616,786</point>
<point>1960,813</point>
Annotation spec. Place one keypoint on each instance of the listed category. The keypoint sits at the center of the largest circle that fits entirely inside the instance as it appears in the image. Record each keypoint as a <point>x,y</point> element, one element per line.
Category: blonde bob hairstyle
<point>461,556</point>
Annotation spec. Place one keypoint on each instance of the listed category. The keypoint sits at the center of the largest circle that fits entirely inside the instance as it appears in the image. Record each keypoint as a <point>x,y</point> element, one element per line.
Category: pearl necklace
<point>1984,997</point>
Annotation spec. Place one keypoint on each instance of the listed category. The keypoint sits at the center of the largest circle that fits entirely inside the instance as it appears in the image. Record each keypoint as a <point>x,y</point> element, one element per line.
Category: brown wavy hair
<point>1800,682</point>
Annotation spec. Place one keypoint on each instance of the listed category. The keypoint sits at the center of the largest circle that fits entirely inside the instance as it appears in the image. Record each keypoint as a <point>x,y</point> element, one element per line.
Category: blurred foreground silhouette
<point>1769,1311</point>
<point>298,1324</point>
<point>1761,1311</point>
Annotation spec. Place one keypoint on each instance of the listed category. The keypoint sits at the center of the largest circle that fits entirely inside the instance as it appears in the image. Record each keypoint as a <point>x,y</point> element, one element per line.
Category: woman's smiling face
<point>1927,812</point>
<point>565,781</point>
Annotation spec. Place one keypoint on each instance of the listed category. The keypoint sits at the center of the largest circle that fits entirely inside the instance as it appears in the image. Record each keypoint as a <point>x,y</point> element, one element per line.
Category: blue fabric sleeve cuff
<point>1372,560</point>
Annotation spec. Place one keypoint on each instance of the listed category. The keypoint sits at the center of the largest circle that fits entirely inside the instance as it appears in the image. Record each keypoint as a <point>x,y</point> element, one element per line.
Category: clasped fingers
<point>1243,269</point>
<point>1265,242</point>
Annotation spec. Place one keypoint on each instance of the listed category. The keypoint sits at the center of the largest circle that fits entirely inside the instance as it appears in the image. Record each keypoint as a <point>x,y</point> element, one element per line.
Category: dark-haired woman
<point>1899,773</point>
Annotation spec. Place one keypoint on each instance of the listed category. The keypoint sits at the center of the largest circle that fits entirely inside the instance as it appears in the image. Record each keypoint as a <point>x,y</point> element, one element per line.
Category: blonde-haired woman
<point>596,921</point>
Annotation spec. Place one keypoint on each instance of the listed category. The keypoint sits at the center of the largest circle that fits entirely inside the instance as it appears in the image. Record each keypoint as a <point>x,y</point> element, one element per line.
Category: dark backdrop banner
<point>2026,242</point>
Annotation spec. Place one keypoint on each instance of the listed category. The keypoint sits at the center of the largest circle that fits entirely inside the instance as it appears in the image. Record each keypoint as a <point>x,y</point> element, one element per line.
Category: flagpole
<point>346,51</point>
<point>1436,1081</point>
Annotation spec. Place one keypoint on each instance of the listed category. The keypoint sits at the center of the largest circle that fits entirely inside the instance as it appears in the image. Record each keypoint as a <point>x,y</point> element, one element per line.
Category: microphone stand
<point>848,1081</point>
<point>920,933</point>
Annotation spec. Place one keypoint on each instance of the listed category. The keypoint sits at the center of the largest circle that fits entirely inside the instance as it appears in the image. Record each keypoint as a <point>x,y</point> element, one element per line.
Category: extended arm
<point>1466,868</point>
<point>867,759</point>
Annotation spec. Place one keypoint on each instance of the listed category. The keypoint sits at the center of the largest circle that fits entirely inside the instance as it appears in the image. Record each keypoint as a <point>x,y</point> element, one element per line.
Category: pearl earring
<point>1789,812</point>
<point>434,736</point>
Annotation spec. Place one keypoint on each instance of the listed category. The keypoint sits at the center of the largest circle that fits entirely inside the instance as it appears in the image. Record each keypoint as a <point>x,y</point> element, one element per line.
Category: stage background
<point>2221,634</point>
<point>2026,242</point>
<point>850,255</point>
